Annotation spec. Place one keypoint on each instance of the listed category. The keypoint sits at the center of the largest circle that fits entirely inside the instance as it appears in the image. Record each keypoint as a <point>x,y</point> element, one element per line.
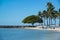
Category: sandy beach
<point>37,28</point>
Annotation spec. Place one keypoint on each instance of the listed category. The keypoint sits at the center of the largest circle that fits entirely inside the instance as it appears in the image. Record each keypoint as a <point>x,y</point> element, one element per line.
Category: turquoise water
<point>25,34</point>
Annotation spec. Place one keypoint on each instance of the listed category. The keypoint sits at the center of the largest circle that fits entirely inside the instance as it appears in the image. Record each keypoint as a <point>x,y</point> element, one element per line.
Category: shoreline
<point>49,29</point>
<point>40,28</point>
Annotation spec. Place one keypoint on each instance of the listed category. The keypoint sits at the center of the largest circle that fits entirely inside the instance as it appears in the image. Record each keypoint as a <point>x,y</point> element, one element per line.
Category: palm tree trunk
<point>59,21</point>
<point>44,20</point>
<point>55,22</point>
<point>42,23</point>
<point>49,22</point>
<point>32,24</point>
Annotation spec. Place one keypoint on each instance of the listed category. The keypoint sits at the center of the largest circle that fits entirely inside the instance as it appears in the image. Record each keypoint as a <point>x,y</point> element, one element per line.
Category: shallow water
<point>26,34</point>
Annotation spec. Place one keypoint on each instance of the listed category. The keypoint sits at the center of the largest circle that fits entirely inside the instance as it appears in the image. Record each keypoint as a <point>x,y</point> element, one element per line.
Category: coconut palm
<point>55,15</point>
<point>59,17</point>
<point>40,15</point>
<point>45,16</point>
<point>50,9</point>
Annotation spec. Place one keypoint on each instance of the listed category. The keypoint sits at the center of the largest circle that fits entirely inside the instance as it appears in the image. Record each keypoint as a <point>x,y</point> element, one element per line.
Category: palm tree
<point>50,9</point>
<point>40,15</point>
<point>55,15</point>
<point>59,17</point>
<point>45,16</point>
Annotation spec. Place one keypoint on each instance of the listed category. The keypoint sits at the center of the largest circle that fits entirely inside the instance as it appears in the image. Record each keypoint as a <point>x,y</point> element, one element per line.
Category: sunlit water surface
<point>26,34</point>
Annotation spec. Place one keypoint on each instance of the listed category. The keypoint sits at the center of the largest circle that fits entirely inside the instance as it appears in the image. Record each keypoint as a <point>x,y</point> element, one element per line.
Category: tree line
<point>49,15</point>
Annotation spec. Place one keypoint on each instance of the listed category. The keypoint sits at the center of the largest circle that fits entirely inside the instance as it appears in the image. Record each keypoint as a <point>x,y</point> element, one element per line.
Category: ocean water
<point>27,34</point>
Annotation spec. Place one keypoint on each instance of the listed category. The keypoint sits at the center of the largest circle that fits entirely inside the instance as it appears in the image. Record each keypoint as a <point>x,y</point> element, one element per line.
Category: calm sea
<point>26,34</point>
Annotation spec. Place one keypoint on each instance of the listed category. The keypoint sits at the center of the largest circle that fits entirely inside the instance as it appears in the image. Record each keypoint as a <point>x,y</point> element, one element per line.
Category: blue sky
<point>12,12</point>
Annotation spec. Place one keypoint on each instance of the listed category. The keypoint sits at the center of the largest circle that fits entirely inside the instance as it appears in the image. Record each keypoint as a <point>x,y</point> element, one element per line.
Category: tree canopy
<point>49,14</point>
<point>32,19</point>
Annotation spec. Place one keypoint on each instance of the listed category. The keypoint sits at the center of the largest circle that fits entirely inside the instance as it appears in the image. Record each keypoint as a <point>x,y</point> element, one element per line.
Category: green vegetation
<point>32,19</point>
<point>59,16</point>
<point>49,14</point>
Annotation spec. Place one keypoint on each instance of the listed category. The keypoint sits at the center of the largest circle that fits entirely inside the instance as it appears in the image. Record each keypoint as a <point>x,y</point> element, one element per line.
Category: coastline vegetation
<point>32,19</point>
<point>50,14</point>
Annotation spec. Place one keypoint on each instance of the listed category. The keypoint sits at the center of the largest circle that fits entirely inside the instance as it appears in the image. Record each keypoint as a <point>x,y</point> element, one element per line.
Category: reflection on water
<point>24,34</point>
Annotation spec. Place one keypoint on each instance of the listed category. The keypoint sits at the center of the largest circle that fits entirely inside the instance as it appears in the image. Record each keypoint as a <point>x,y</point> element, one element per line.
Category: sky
<point>12,12</point>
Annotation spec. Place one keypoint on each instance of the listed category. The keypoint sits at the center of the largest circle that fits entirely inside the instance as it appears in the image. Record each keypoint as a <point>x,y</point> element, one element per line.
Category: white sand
<point>37,28</point>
